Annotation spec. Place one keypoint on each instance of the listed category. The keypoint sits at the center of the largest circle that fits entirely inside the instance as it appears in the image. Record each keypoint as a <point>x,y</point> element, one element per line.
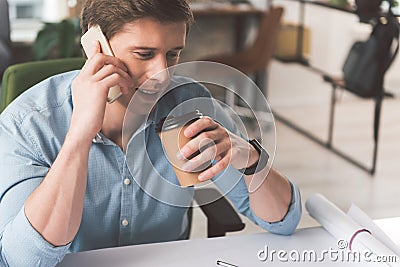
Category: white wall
<point>259,3</point>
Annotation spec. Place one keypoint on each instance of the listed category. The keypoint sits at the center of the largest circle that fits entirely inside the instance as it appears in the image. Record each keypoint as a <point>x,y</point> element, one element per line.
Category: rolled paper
<point>343,227</point>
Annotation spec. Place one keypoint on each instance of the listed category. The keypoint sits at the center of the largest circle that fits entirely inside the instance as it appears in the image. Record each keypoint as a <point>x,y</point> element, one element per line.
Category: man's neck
<point>113,123</point>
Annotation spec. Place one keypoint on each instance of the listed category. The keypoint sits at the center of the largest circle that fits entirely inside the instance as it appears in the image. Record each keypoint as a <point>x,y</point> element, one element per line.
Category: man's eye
<point>173,55</point>
<point>145,55</point>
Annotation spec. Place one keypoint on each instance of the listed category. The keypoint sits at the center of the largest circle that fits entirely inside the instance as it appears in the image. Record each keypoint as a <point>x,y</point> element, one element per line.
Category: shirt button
<point>125,222</point>
<point>127,181</point>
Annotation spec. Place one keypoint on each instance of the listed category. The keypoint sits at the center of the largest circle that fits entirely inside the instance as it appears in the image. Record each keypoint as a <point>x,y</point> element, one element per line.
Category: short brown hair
<point>112,15</point>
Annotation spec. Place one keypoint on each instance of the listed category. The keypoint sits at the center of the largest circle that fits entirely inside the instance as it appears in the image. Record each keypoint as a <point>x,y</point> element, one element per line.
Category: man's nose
<point>159,71</point>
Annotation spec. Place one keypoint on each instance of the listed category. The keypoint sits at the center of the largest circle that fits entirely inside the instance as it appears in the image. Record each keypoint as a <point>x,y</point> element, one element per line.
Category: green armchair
<point>19,77</point>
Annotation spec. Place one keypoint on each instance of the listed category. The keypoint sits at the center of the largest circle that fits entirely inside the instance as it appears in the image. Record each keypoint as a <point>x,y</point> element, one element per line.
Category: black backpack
<point>368,61</point>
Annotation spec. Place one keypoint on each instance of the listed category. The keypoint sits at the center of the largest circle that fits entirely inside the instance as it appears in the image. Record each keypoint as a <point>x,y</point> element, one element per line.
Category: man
<point>64,181</point>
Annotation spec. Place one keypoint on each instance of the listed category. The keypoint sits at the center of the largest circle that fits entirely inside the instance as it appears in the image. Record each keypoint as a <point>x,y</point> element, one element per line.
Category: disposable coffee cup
<point>171,132</point>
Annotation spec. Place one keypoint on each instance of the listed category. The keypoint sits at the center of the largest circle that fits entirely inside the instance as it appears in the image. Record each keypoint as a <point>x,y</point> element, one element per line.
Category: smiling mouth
<point>147,92</point>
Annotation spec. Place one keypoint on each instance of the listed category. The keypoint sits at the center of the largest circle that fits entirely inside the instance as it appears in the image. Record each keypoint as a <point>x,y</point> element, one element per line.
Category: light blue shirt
<point>121,206</point>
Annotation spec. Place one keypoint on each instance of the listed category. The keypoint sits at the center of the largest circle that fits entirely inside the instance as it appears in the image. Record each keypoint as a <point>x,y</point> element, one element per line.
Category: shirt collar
<point>100,138</point>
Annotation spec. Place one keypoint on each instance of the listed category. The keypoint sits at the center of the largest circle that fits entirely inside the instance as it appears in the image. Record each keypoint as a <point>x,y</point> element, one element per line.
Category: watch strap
<point>262,161</point>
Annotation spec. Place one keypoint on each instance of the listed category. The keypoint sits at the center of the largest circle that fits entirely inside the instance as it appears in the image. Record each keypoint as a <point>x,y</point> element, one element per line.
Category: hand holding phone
<point>95,34</point>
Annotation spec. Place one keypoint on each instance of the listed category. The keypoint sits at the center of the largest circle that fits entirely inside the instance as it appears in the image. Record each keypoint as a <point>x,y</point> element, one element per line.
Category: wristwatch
<point>262,161</point>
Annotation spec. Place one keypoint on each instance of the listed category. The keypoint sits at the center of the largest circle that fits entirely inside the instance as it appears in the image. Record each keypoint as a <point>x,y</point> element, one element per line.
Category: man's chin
<point>140,108</point>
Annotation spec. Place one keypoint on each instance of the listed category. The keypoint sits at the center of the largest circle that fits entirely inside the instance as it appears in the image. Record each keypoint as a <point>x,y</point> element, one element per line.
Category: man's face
<point>147,47</point>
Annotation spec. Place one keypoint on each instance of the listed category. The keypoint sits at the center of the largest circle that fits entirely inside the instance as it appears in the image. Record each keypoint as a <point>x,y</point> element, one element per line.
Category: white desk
<point>238,250</point>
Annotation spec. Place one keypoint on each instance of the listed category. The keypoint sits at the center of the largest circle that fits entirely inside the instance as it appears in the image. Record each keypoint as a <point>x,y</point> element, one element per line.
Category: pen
<point>225,264</point>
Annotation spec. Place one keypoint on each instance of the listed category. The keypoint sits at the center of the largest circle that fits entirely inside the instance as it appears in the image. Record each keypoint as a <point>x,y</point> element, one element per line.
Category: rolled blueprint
<point>343,227</point>
<point>364,220</point>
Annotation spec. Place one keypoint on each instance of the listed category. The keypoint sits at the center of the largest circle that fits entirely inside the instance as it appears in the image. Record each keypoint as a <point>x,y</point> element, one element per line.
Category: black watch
<point>262,161</point>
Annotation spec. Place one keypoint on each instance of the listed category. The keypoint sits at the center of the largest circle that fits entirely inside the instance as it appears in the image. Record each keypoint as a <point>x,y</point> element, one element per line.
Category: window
<point>25,9</point>
<point>25,19</point>
<point>27,16</point>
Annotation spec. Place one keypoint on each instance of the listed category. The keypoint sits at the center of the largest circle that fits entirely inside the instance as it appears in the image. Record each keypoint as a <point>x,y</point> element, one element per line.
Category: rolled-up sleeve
<point>22,169</point>
<point>289,223</point>
<point>239,196</point>
<point>21,245</point>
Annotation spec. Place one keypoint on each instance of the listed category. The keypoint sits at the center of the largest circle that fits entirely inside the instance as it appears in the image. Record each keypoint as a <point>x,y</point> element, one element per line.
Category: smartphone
<point>95,34</point>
